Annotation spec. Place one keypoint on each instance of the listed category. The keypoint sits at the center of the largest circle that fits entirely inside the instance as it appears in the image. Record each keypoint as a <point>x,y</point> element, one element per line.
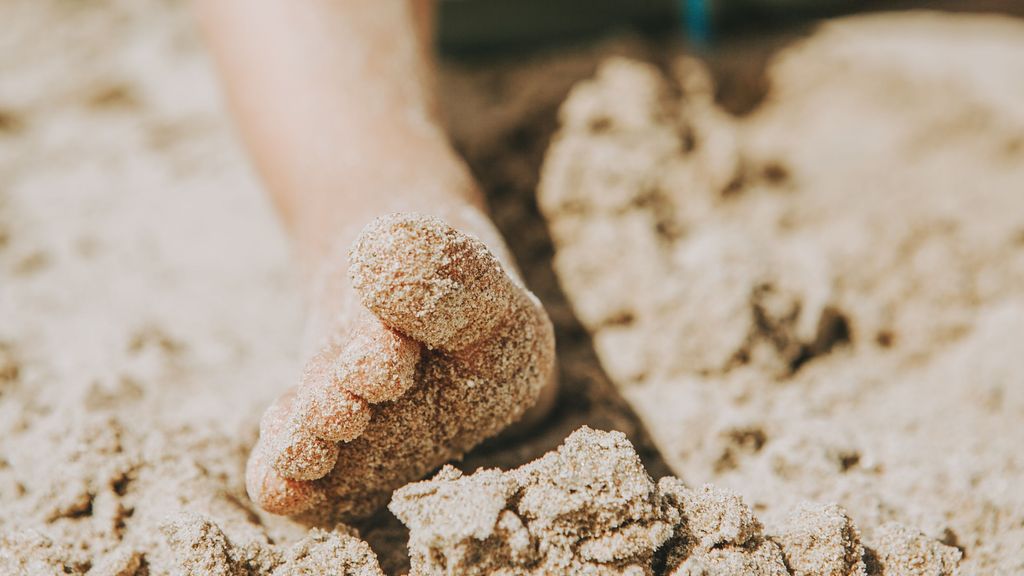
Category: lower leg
<point>335,101</point>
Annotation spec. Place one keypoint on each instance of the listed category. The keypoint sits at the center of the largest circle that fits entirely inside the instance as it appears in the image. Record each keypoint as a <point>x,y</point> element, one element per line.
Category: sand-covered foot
<point>446,350</point>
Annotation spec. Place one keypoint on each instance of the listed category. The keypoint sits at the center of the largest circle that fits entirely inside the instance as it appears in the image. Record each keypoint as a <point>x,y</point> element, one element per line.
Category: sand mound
<point>590,508</point>
<point>820,300</point>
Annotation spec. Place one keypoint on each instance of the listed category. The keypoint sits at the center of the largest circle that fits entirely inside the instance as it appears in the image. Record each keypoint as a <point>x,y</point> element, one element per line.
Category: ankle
<point>323,223</point>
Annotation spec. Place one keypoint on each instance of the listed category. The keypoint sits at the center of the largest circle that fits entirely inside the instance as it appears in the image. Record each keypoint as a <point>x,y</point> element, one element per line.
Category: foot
<point>435,348</point>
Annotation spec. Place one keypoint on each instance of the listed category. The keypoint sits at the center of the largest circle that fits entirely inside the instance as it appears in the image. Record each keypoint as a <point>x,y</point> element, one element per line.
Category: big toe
<point>430,281</point>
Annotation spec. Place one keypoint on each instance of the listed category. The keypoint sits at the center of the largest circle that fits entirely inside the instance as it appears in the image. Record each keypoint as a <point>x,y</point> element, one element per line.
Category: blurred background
<point>479,25</point>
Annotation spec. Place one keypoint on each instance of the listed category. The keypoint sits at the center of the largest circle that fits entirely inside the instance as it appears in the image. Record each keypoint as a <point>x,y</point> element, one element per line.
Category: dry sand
<point>855,344</point>
<point>591,508</point>
<point>821,300</point>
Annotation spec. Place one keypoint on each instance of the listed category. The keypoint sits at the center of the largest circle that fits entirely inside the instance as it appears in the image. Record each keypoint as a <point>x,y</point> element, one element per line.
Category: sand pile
<point>591,508</point>
<point>822,299</point>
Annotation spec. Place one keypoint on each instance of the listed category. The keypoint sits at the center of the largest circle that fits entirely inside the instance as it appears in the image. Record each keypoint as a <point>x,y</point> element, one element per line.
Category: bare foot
<point>435,347</point>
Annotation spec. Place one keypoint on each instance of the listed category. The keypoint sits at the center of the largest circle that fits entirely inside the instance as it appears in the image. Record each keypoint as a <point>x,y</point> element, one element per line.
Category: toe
<point>429,281</point>
<point>299,456</point>
<point>323,408</point>
<point>300,431</point>
<point>378,364</point>
<point>333,415</point>
<point>274,493</point>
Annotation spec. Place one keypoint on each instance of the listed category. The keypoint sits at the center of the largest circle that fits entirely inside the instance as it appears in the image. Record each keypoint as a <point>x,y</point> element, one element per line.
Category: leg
<point>335,103</point>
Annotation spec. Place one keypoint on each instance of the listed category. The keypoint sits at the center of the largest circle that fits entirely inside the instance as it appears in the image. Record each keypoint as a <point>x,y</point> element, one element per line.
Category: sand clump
<point>201,548</point>
<point>828,287</point>
<point>823,540</point>
<point>590,508</point>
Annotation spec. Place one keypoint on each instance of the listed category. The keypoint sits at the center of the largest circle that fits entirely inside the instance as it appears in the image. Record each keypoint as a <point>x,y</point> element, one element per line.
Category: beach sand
<point>823,330</point>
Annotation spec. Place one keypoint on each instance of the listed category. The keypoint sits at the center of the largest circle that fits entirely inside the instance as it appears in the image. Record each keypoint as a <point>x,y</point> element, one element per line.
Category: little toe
<point>378,364</point>
<point>303,436</point>
<point>431,282</point>
<point>274,493</point>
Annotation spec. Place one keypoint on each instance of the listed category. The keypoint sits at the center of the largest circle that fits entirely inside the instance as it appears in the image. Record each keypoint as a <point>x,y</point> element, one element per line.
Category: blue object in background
<point>696,21</point>
<point>467,26</point>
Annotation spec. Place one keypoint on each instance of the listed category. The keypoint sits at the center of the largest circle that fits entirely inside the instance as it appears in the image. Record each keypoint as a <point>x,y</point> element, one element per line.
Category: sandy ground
<point>820,300</point>
<point>858,344</point>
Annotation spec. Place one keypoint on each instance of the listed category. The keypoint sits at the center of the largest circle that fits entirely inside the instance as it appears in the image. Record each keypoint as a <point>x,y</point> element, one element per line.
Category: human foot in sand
<point>448,351</point>
<point>425,342</point>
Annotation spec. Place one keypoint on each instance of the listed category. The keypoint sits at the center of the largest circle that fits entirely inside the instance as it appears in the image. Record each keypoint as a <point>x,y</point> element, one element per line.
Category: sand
<point>821,299</point>
<point>149,309</point>
<point>589,507</point>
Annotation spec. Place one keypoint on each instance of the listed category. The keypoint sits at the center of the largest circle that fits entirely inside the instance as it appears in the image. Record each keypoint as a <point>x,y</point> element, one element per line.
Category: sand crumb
<point>201,548</point>
<point>903,550</point>
<point>821,540</point>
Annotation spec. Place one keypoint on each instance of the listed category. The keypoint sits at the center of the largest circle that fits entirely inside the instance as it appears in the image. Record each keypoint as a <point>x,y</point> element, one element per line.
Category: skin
<point>335,102</point>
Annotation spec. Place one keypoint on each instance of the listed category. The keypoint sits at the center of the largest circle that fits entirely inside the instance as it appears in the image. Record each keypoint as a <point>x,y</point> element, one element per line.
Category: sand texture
<point>844,367</point>
<point>589,507</point>
<point>150,311</point>
<point>822,299</point>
